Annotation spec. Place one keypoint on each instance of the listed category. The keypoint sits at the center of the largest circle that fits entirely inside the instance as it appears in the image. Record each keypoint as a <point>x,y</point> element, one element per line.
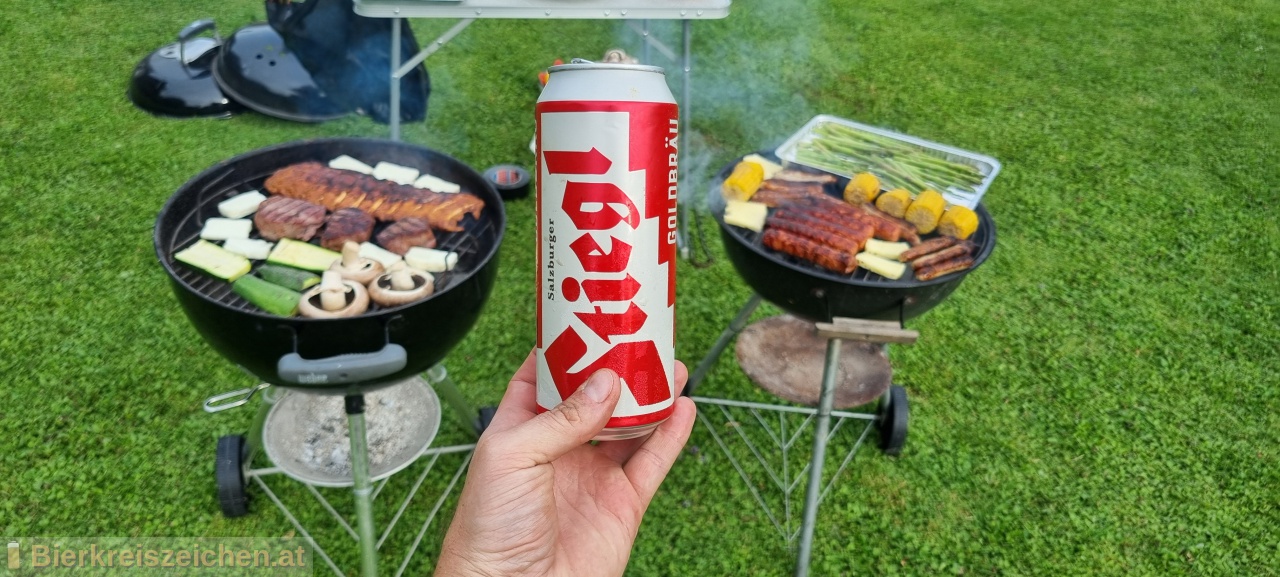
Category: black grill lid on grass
<point>177,81</point>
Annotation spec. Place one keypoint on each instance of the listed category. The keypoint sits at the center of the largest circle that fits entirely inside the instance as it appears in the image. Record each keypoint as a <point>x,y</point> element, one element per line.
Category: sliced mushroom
<point>402,285</point>
<point>354,267</point>
<point>335,297</point>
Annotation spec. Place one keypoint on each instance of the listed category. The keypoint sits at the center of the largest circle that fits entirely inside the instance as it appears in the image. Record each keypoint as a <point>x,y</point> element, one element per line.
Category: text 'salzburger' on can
<point>606,202</point>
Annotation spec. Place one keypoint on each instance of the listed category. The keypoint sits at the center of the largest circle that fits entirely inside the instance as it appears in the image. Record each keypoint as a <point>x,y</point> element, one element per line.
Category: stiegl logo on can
<point>607,212</point>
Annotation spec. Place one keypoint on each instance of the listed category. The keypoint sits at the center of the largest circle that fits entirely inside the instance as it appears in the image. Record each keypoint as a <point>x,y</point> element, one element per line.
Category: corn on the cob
<point>863,187</point>
<point>894,202</point>
<point>926,210</point>
<point>743,181</point>
<point>958,222</point>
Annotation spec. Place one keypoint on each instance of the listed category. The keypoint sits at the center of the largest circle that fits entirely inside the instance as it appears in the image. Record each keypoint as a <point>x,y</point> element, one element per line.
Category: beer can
<point>606,210</point>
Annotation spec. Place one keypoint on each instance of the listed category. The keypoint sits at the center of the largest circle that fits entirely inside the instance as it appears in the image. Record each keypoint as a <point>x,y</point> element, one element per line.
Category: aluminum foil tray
<point>988,167</point>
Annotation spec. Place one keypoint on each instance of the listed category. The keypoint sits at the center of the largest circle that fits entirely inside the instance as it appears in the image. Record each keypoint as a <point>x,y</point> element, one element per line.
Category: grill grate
<point>471,243</point>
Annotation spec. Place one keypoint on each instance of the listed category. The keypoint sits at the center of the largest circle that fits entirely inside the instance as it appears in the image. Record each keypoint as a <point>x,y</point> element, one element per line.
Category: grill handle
<point>342,369</point>
<point>218,403</point>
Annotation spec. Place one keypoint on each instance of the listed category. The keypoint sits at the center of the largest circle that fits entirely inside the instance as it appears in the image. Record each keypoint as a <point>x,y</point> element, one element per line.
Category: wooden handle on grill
<point>866,331</point>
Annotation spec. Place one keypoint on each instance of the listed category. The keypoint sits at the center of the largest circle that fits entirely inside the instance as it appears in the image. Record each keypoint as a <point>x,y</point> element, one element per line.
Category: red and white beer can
<point>606,193</point>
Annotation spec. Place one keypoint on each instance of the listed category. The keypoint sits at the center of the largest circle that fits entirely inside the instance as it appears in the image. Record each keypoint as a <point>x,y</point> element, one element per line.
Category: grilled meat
<point>946,254</point>
<point>803,248</point>
<point>282,217</point>
<point>793,175</point>
<point>799,228</point>
<point>346,224</point>
<point>945,267</point>
<point>851,234</point>
<point>887,228</point>
<point>926,247</point>
<point>385,200</point>
<point>406,234</point>
<point>774,192</point>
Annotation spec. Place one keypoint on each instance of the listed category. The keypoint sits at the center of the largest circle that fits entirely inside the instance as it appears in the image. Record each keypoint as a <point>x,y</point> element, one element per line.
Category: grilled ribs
<point>385,200</point>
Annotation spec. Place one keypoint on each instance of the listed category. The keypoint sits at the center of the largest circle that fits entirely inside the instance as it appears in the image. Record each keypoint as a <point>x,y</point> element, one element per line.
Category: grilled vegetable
<point>288,277</point>
<point>743,181</point>
<point>882,266</point>
<point>748,215</point>
<point>925,211</point>
<point>334,298</point>
<point>894,202</point>
<point>305,256</point>
<point>959,222</point>
<point>889,250</point>
<point>863,187</point>
<point>214,260</point>
<point>241,205</point>
<point>267,296</point>
<point>352,266</point>
<point>225,228</point>
<point>400,286</point>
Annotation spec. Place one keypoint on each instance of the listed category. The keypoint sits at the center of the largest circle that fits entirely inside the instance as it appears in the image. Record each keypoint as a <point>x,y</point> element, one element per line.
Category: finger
<point>622,450</point>
<point>519,403</point>
<point>549,435</point>
<point>652,460</point>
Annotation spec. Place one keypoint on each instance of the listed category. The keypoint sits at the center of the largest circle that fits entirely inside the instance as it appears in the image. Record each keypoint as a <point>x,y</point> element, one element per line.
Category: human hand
<point>540,500</point>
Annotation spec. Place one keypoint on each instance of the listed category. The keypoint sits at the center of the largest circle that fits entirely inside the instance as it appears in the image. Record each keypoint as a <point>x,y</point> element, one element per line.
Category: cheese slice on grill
<point>395,173</point>
<point>382,255</point>
<point>241,205</point>
<point>225,228</point>
<point>436,184</point>
<point>345,162</point>
<point>746,214</point>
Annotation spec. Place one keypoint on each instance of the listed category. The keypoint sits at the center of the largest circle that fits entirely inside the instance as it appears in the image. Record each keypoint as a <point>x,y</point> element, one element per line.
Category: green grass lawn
<point>1100,398</point>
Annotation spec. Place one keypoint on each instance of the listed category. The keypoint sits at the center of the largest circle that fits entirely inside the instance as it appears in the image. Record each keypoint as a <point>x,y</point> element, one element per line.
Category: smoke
<point>747,83</point>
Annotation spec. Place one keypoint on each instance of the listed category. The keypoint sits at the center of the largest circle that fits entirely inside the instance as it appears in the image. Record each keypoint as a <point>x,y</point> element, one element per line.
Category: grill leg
<point>363,486</point>
<point>735,327</point>
<point>821,426</point>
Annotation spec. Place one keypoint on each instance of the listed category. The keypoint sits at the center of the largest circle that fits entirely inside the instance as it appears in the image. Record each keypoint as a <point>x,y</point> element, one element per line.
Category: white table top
<point>546,9</point>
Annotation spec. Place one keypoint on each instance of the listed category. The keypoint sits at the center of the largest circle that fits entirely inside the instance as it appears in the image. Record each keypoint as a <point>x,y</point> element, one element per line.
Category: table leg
<point>821,427</point>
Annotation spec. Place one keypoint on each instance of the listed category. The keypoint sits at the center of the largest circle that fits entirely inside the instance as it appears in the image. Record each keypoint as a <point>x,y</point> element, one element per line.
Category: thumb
<point>573,422</point>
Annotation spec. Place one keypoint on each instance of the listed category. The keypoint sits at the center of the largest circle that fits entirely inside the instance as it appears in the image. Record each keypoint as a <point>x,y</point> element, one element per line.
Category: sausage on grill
<point>850,234</point>
<point>926,247</point>
<point>946,254</point>
<point>800,247</point>
<point>936,270</point>
<point>385,200</point>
